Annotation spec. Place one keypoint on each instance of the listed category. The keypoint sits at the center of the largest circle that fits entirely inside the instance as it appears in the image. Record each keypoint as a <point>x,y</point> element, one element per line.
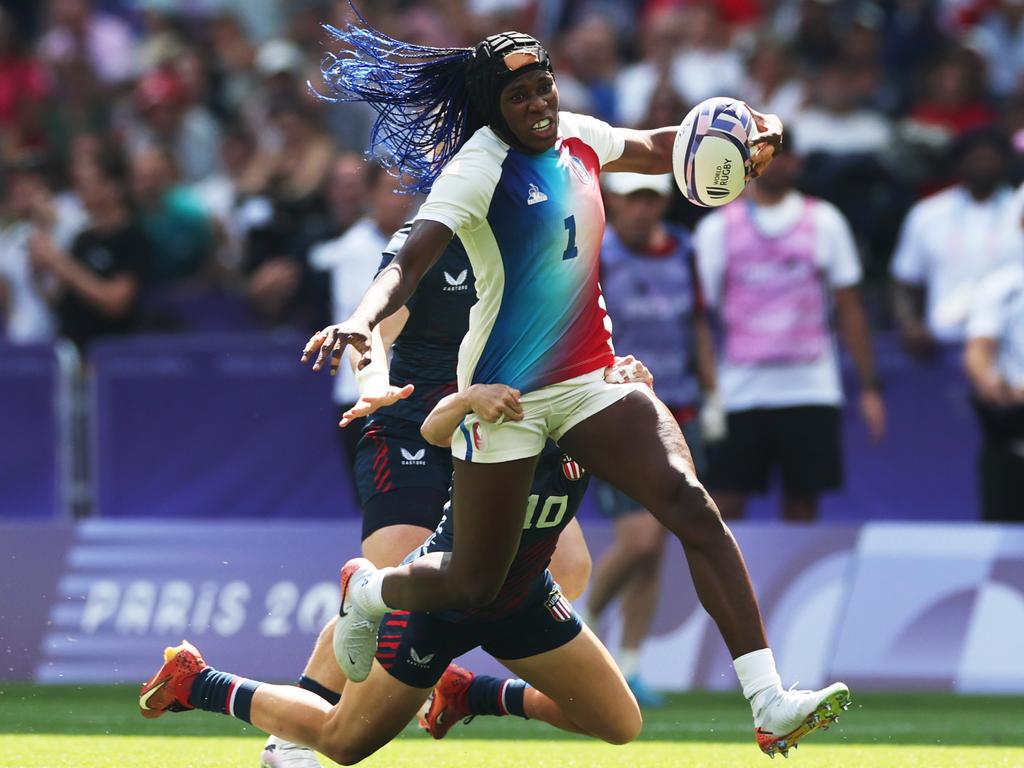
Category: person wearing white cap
<point>648,274</point>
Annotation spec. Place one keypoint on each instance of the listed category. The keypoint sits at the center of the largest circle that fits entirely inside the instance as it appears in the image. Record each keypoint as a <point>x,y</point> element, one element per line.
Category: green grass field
<point>99,727</point>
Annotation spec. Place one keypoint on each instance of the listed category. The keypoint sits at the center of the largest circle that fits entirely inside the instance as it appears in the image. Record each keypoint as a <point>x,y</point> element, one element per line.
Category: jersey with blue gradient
<point>559,484</point>
<point>532,226</point>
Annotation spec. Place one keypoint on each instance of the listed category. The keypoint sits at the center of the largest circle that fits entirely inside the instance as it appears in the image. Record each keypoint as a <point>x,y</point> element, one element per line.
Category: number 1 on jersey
<point>570,249</point>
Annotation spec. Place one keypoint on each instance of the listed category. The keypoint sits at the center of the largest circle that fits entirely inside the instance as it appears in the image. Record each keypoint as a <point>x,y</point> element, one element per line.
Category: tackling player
<point>403,481</point>
<point>568,678</point>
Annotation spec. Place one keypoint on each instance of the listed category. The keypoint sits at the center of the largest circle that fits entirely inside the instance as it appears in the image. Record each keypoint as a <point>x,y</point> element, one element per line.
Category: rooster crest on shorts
<point>558,606</point>
<point>479,442</point>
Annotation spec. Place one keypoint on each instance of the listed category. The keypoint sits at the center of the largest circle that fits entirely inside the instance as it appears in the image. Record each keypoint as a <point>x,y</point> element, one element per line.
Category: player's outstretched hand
<point>369,403</point>
<point>627,370</point>
<point>767,136</point>
<point>495,402</point>
<point>329,343</point>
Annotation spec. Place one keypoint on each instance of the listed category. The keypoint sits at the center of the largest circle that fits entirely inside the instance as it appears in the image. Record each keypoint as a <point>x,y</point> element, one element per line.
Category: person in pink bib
<point>774,265</point>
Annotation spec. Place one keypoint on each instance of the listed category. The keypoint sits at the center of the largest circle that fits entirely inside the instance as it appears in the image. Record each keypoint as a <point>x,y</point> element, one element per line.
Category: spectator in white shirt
<point>29,208</point>
<point>352,261</point>
<point>835,123</point>
<point>707,65</point>
<point>771,81</point>
<point>994,359</point>
<point>950,241</point>
<point>774,264</point>
<point>662,33</point>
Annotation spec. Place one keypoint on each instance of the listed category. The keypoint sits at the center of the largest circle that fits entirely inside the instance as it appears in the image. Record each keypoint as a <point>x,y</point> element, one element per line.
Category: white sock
<point>366,593</point>
<point>756,671</point>
<point>629,662</point>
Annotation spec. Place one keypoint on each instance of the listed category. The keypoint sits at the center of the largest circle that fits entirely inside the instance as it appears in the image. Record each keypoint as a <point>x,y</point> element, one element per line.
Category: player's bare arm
<point>374,381</point>
<point>651,151</point>
<point>385,296</point>
<point>490,402</point>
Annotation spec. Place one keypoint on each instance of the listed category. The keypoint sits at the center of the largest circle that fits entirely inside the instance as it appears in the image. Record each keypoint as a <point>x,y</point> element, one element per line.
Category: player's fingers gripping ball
<point>711,157</point>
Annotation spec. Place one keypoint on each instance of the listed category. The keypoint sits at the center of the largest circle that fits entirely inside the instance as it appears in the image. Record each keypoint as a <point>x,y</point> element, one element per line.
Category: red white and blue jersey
<point>559,484</point>
<point>532,226</point>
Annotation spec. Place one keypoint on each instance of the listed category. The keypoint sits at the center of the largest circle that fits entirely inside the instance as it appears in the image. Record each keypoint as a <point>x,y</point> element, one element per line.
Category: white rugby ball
<point>711,153</point>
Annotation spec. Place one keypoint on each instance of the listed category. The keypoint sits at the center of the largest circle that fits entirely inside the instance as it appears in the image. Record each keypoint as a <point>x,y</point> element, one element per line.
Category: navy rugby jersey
<point>426,352</point>
<point>555,496</point>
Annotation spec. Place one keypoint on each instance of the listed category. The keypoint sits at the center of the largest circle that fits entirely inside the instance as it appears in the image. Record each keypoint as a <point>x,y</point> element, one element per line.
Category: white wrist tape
<point>372,381</point>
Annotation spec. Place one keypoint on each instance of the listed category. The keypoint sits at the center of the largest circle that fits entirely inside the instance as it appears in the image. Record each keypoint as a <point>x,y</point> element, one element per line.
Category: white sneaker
<point>785,717</point>
<point>278,753</point>
<point>355,633</point>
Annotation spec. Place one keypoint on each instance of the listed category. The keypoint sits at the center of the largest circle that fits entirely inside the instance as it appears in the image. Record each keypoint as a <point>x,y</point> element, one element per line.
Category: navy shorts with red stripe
<point>416,648</point>
<point>401,479</point>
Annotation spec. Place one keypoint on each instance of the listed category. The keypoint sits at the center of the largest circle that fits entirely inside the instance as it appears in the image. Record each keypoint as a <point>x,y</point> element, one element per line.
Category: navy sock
<point>223,692</point>
<point>319,689</point>
<point>496,696</point>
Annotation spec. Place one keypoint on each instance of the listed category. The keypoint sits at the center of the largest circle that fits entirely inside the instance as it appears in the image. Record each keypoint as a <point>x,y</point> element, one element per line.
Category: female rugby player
<point>568,678</point>
<point>403,480</point>
<point>517,181</point>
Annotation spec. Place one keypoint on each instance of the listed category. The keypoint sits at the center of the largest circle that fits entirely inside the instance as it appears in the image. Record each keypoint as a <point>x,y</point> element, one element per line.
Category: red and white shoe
<point>449,702</point>
<point>788,716</point>
<point>168,690</point>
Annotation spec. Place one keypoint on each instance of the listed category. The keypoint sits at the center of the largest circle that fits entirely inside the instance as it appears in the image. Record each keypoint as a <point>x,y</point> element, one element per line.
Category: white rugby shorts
<point>550,411</point>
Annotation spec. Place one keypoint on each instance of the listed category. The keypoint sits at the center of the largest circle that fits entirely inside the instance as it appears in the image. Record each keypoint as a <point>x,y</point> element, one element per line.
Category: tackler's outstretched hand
<point>329,343</point>
<point>373,402</point>
<point>767,136</point>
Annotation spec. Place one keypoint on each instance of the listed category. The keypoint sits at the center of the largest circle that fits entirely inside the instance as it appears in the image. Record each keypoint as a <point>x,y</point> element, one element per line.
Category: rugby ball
<point>711,153</point>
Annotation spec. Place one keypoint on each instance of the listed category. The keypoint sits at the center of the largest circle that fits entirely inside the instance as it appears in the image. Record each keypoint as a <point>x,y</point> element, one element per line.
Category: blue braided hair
<point>429,101</point>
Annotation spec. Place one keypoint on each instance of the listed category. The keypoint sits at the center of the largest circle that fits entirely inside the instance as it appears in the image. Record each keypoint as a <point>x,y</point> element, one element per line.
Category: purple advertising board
<point>882,605</point>
<point>33,399</point>
<point>233,427</point>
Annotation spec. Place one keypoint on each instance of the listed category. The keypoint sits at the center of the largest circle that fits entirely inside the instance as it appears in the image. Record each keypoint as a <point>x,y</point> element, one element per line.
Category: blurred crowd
<point>169,165</point>
<point>195,123</point>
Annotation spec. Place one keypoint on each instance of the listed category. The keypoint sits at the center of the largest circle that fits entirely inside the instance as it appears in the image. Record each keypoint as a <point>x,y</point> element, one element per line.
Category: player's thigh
<point>636,445</point>
<point>390,545</point>
<point>488,508</point>
<point>413,651</point>
<point>809,446</point>
<point>583,679</point>
<point>571,562</point>
<point>369,715</point>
